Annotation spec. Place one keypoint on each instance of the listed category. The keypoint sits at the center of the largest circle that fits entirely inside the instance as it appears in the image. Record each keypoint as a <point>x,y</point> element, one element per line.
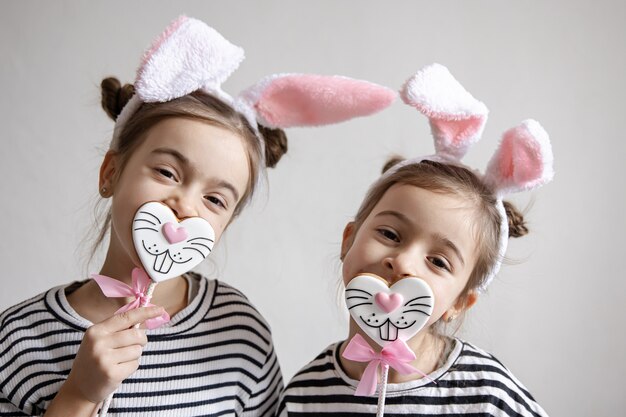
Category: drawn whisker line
<point>201,244</point>
<point>150,214</point>
<point>415,299</point>
<point>417,311</point>
<point>418,304</point>
<point>197,250</point>
<point>362,304</point>
<point>146,228</point>
<point>145,220</point>
<point>357,289</point>
<point>205,238</point>
<point>357,296</point>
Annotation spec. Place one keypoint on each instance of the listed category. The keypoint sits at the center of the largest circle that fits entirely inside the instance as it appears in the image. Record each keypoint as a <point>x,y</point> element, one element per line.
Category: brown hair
<point>199,106</point>
<point>453,179</point>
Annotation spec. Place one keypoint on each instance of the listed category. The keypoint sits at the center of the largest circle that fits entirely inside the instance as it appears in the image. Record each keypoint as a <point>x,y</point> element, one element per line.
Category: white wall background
<point>556,319</point>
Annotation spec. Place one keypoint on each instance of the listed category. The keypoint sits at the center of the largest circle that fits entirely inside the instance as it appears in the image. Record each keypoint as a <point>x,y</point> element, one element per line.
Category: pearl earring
<point>103,191</point>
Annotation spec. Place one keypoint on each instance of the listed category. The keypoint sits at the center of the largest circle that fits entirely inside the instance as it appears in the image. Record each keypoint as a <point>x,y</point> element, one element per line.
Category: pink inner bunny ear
<point>289,100</point>
<point>456,118</point>
<point>523,160</point>
<point>169,30</point>
<point>187,56</point>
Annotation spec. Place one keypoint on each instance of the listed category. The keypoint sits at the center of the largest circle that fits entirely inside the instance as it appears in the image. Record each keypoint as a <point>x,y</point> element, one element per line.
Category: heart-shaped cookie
<point>389,313</point>
<point>166,246</point>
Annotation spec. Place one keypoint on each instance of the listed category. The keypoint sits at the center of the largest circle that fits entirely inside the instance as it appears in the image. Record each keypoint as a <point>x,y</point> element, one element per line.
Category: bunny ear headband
<point>523,161</point>
<point>190,56</point>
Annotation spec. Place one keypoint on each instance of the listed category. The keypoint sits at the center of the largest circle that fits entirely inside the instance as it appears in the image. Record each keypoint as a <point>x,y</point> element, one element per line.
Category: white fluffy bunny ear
<point>456,118</point>
<point>290,100</point>
<point>523,160</point>
<point>187,56</point>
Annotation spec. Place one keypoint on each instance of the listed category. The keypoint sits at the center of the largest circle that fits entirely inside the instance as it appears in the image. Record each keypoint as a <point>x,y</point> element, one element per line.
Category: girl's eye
<point>440,263</point>
<point>389,234</point>
<point>214,200</point>
<point>166,173</point>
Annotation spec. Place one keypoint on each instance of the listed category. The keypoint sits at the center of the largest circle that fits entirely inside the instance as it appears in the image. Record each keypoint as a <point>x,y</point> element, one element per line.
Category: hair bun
<point>517,224</point>
<point>114,96</point>
<point>275,145</point>
<point>393,160</point>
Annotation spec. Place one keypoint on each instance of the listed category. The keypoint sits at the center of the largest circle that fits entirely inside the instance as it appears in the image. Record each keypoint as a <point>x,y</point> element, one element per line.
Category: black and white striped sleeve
<point>261,375</point>
<point>15,340</point>
<point>264,398</point>
<point>8,409</point>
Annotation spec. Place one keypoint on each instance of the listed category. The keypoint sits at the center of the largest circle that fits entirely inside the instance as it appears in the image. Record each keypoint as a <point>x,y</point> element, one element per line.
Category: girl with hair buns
<point>427,240</point>
<point>179,140</point>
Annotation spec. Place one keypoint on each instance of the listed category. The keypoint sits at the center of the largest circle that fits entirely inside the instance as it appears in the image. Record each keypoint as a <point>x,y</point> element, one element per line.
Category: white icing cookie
<point>389,313</point>
<point>166,246</point>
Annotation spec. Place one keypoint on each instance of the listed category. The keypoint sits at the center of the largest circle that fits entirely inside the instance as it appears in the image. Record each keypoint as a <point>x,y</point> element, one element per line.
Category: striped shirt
<point>470,383</point>
<point>214,358</point>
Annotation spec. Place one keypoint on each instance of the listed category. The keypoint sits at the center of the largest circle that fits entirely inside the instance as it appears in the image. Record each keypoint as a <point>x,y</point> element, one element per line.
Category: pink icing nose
<point>388,302</point>
<point>174,235</point>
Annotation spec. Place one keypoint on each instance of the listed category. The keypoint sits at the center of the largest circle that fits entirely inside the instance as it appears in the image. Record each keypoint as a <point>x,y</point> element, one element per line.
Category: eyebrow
<point>230,187</point>
<point>173,152</point>
<point>440,238</point>
<point>183,160</point>
<point>399,216</point>
<point>448,243</point>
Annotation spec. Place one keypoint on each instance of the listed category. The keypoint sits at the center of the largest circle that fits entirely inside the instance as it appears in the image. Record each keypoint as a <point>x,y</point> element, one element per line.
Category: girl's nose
<point>181,207</point>
<point>400,266</point>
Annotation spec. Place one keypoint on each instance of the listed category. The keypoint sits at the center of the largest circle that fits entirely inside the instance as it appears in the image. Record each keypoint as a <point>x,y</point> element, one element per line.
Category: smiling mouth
<point>387,331</point>
<point>163,262</point>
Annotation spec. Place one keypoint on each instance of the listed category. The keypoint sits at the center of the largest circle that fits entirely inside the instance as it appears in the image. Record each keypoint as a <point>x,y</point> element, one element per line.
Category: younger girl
<point>179,140</point>
<point>434,219</point>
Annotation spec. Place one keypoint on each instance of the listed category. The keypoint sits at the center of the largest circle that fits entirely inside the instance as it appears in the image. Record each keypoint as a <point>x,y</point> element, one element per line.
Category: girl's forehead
<point>415,199</point>
<point>193,135</point>
<point>435,213</point>
<point>204,148</point>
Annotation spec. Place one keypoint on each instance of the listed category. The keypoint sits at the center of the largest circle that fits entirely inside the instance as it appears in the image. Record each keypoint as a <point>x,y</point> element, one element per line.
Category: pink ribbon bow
<point>141,281</point>
<point>396,354</point>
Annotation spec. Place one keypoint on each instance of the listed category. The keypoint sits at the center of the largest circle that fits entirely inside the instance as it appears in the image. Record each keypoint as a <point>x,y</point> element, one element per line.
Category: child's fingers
<point>126,354</point>
<point>126,369</point>
<point>129,337</point>
<point>128,319</point>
